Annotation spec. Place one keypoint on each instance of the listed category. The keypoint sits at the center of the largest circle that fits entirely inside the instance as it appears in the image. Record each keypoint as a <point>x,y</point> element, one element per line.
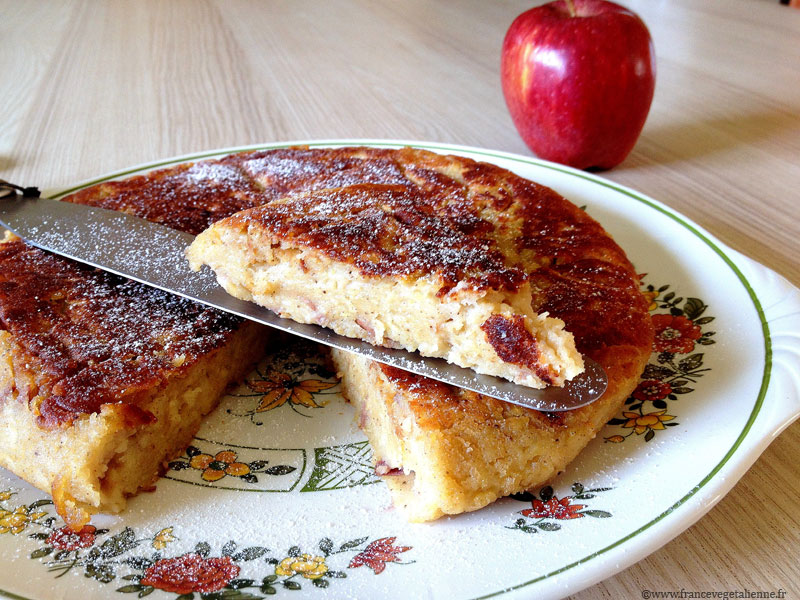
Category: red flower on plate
<point>66,539</point>
<point>191,573</point>
<point>554,509</point>
<point>377,554</point>
<point>674,334</point>
<point>652,389</point>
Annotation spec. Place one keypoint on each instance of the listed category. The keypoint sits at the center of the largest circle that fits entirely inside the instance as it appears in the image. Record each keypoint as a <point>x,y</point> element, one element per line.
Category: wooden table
<point>91,87</point>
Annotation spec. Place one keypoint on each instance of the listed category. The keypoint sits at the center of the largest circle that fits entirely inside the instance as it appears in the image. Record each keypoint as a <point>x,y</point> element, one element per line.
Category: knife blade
<point>153,254</point>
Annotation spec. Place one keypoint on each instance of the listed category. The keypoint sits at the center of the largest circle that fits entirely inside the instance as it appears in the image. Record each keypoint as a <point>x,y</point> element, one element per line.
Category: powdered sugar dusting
<point>96,337</point>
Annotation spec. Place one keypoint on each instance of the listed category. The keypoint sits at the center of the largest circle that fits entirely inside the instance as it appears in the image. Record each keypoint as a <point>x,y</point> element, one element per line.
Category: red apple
<point>578,77</point>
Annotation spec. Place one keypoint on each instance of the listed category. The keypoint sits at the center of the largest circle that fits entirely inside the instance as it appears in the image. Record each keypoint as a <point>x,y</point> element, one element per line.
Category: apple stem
<point>570,7</point>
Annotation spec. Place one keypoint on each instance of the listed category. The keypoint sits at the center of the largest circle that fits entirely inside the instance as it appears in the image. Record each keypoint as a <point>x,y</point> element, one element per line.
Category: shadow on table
<point>687,141</point>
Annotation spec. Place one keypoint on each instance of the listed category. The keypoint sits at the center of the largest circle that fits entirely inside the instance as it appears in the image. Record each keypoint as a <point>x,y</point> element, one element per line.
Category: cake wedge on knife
<point>397,266</point>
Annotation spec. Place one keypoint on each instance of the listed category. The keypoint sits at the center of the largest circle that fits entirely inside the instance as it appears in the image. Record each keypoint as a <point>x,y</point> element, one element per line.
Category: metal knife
<point>153,254</point>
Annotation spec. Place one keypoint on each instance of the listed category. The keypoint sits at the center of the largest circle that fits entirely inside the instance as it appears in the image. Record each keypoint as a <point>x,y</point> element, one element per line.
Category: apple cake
<point>441,450</point>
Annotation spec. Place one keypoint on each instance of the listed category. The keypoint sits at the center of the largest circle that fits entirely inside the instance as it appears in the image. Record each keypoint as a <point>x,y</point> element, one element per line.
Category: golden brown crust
<point>578,273</point>
<point>97,338</point>
<point>389,231</point>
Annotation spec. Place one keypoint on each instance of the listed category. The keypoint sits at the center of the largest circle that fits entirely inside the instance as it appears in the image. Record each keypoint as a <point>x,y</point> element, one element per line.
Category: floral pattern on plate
<point>669,373</point>
<point>138,561</point>
<point>547,508</point>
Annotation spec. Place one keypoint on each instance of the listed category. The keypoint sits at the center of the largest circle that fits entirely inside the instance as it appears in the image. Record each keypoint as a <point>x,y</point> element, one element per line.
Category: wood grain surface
<point>91,87</point>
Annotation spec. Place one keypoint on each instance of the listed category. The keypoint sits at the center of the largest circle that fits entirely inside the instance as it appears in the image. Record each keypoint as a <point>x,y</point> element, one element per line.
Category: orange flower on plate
<point>651,296</point>
<point>162,538</point>
<point>280,388</point>
<point>66,539</point>
<point>648,422</point>
<point>652,389</point>
<point>554,509</point>
<point>15,521</point>
<point>377,554</point>
<point>191,573</point>
<point>218,466</point>
<point>310,567</point>
<point>675,334</point>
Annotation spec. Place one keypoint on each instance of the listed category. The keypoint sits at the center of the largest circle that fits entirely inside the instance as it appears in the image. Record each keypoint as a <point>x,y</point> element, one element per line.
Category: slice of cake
<point>398,266</point>
<point>444,451</point>
<point>104,379</point>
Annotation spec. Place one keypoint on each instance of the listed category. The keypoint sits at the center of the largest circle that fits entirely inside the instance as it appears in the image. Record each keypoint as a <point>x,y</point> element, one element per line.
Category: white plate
<point>296,511</point>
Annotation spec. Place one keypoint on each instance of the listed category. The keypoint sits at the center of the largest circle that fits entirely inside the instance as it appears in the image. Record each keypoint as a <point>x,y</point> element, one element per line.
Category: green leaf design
<point>693,308</point>
<point>102,572</point>
<point>597,514</point>
<point>236,584</point>
<point>38,503</point>
<point>326,546</point>
<point>657,372</point>
<point>280,470</point>
<point>139,563</point>
<point>268,590</point>
<point>682,390</point>
<point>577,487</point>
<point>352,544</point>
<point>203,549</point>
<point>41,552</point>
<point>229,548</point>
<point>649,435</point>
<point>118,544</point>
<point>291,585</point>
<point>251,553</point>
<point>127,589</point>
<point>691,362</point>
<point>545,526</point>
